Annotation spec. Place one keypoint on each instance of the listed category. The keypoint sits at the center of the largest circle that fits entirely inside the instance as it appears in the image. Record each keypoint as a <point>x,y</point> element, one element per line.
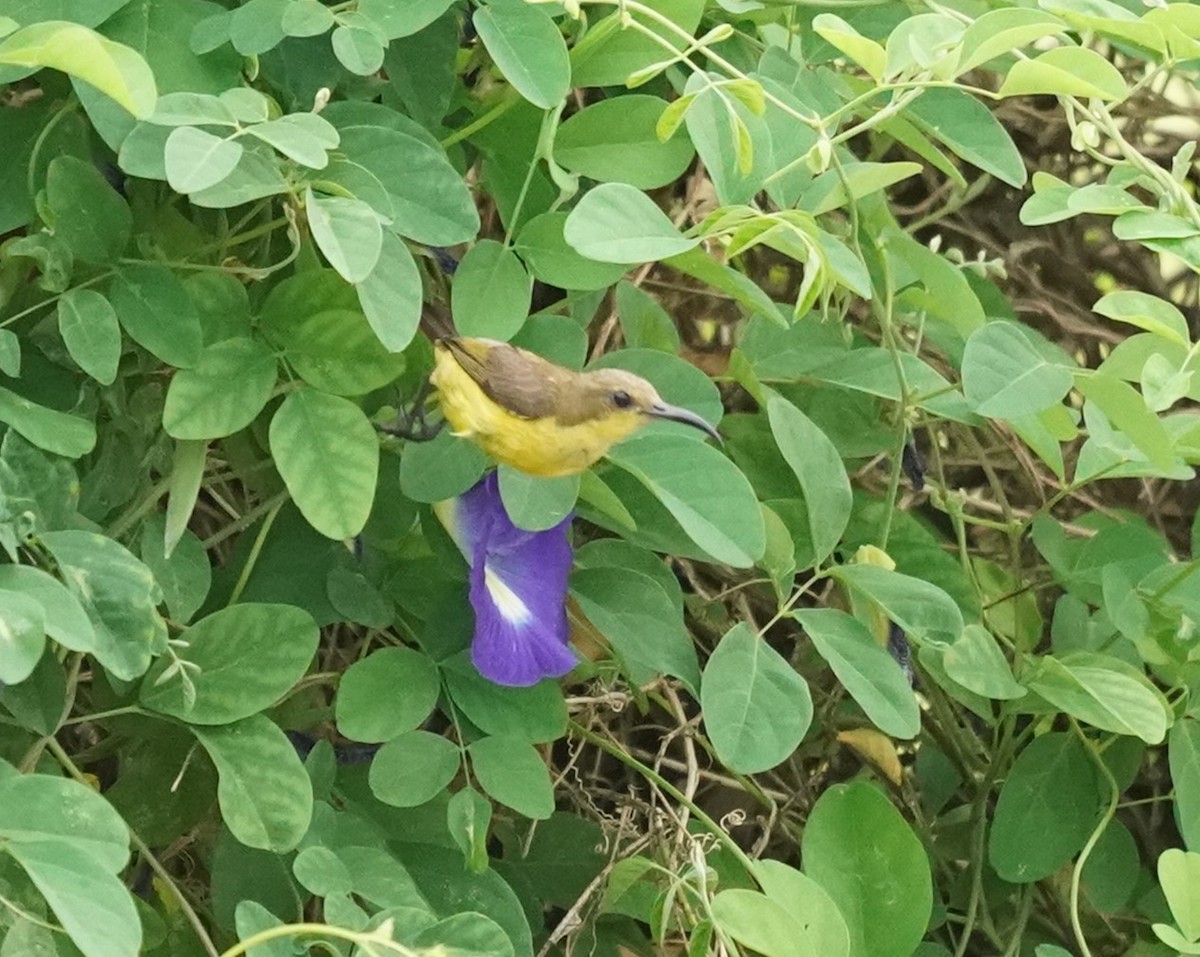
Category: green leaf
<point>761,924</point>
<point>858,847</point>
<point>1183,751</point>
<point>617,223</point>
<point>321,871</point>
<point>264,792</point>
<point>468,815</point>
<point>1175,940</point>
<point>835,188</point>
<point>52,811</point>
<point>412,768</point>
<point>391,691</point>
<point>701,265</point>
<point>22,635</point>
<point>536,503</point>
<point>808,903</point>
<point>155,310</point>
<point>442,468</point>
<point>536,714</point>
<point>1179,875</point>
<point>645,324</point>
<point>91,904</point>
<point>1004,376</point>
<point>38,702</point>
<point>528,48</point>
<point>757,709</point>
<point>971,131</point>
<point>257,175</point>
<point>513,773</point>
<point>141,151</point>
<point>358,49</point>
<point>976,662</point>
<point>491,292</point>
<point>1147,224</point>
<point>1127,411</point>
<point>65,619</point>
<point>616,141</point>
<point>242,659</point>
<point>347,231</point>
<point>184,576</point>
<point>303,137</point>
<point>865,669</point>
<point>919,607</point>
<point>610,53</point>
<point>635,613</point>
<point>709,497</point>
<point>1087,687</point>
<point>119,595</point>
<point>187,472</point>
<point>431,202</point>
<point>1066,71</point>
<point>820,471</point>
<point>42,489</point>
<point>734,143</point>
<point>197,109</point>
<point>314,318</point>
<point>466,933</point>
<point>926,41</point>
<point>842,36</point>
<point>90,331</point>
<point>403,18</point>
<point>112,68</point>
<point>328,454</point>
<point>390,295</point>
<point>223,393</point>
<point>87,213</point>
<point>1146,312</point>
<point>1048,806</point>
<point>999,31</point>
<point>57,432</point>
<point>542,245</point>
<point>250,918</point>
<point>195,159</point>
<point>1111,872</point>
<point>257,26</point>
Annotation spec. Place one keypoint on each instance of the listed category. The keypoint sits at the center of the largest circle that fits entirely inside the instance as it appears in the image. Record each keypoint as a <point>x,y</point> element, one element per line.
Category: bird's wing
<point>514,379</point>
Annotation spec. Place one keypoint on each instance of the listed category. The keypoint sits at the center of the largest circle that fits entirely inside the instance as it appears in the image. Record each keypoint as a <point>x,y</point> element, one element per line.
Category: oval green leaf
<point>757,709</point>
<point>328,454</point>
<point>243,659</point>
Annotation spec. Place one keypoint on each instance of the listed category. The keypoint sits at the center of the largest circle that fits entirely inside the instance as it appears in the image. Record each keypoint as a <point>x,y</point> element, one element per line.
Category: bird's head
<point>625,402</point>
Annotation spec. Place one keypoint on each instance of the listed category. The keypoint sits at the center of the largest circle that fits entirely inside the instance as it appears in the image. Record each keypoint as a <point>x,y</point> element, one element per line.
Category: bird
<point>538,417</point>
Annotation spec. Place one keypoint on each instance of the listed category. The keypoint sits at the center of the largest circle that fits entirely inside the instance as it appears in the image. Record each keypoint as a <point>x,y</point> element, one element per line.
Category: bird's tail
<point>436,322</point>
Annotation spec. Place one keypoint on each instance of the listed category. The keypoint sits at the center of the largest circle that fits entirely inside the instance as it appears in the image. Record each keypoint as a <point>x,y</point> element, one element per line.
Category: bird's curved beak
<point>675,413</point>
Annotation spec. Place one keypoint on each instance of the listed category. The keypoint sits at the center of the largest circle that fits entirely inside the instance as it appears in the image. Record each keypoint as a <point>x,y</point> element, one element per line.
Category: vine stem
<point>1077,871</point>
<point>246,520</point>
<point>365,941</point>
<point>259,541</point>
<point>660,782</point>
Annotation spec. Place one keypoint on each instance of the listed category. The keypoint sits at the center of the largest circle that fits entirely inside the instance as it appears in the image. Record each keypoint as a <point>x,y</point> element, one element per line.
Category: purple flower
<point>518,587</point>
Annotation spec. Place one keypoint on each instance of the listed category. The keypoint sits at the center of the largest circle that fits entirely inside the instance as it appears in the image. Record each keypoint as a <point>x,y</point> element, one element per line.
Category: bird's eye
<point>622,399</point>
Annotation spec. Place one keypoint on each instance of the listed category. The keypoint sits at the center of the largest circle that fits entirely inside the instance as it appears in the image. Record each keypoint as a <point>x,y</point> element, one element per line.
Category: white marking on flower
<point>508,602</point>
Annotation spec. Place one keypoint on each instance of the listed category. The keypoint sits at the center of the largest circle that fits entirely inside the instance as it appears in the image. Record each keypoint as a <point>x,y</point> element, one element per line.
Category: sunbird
<point>539,417</point>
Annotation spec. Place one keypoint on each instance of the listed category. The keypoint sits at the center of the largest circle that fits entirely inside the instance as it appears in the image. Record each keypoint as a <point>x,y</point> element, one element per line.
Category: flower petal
<point>518,589</point>
<point>517,642</point>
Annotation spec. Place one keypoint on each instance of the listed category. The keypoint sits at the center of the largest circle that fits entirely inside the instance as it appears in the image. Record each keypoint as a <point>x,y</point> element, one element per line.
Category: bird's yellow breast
<point>541,446</point>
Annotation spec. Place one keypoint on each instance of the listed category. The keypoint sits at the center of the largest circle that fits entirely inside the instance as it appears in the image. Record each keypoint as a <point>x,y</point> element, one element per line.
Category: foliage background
<point>936,263</point>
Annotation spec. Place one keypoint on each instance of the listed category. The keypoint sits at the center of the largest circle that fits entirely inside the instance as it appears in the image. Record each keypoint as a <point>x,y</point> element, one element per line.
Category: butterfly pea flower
<point>518,587</point>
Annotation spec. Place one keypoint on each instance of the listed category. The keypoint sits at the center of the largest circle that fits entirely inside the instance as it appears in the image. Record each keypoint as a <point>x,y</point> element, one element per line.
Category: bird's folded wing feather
<point>513,378</point>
